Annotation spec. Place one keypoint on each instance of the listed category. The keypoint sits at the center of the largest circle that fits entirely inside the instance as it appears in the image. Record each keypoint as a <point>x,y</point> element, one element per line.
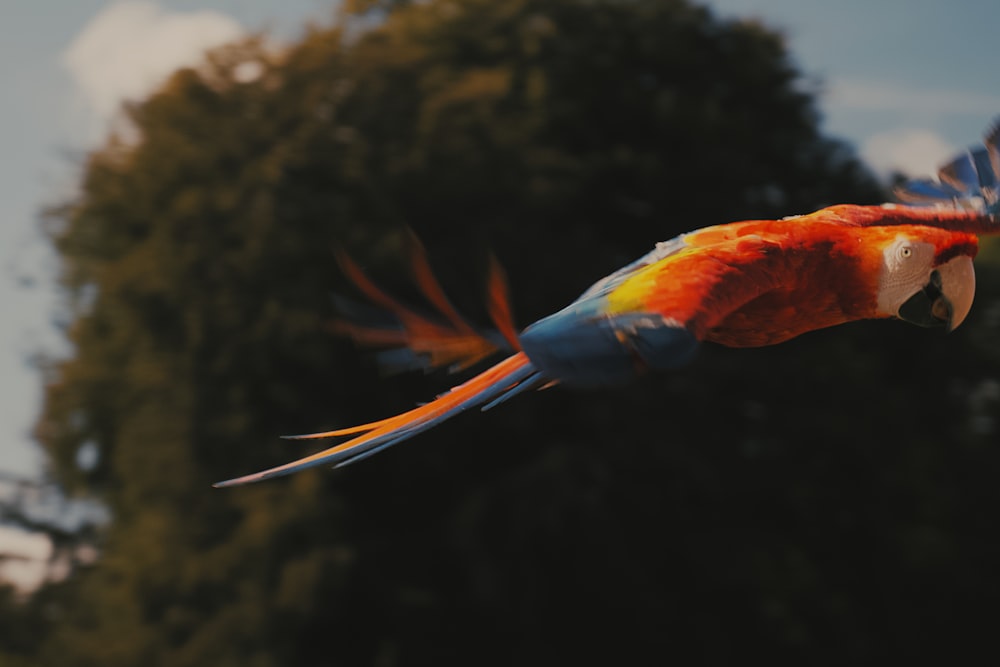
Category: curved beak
<point>946,299</point>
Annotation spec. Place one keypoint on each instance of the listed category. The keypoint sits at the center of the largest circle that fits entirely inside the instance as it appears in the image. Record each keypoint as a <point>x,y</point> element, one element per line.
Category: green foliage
<point>818,502</point>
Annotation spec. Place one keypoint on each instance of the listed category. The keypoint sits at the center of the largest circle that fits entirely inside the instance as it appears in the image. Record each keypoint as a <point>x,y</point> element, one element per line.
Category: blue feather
<point>970,181</point>
<point>961,174</point>
<point>984,168</point>
<point>923,191</point>
<point>583,346</point>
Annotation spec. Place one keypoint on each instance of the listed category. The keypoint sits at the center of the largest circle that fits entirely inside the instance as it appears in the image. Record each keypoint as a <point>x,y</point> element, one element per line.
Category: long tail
<point>971,181</point>
<point>492,387</point>
<point>418,341</point>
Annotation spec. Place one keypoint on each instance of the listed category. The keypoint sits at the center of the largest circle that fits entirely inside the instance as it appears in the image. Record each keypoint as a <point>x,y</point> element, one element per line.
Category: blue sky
<point>906,81</point>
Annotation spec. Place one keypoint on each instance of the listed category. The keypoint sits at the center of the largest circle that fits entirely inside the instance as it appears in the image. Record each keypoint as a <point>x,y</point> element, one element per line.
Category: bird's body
<point>742,284</point>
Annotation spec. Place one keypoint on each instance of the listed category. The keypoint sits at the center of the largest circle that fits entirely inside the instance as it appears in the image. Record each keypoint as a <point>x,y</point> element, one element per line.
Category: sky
<point>906,82</point>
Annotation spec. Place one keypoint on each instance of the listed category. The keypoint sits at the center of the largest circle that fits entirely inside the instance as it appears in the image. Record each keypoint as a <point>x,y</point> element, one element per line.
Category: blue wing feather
<point>961,174</point>
<point>970,181</point>
<point>984,168</point>
<point>582,346</point>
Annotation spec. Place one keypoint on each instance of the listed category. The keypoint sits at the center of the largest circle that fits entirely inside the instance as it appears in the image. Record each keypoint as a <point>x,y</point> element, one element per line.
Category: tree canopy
<point>823,501</point>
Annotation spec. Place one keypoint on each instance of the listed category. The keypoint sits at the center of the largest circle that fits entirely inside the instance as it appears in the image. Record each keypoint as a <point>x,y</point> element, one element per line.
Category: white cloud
<point>914,152</point>
<point>877,96</point>
<point>131,46</point>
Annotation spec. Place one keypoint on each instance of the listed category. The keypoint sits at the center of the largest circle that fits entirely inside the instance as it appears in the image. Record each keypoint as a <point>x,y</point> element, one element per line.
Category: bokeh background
<point>170,219</point>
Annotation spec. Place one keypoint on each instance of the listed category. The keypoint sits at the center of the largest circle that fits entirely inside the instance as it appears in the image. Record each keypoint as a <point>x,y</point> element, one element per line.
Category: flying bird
<point>742,284</point>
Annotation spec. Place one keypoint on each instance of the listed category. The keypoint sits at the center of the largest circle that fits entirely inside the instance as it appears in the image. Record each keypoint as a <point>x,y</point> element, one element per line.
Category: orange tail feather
<point>509,377</point>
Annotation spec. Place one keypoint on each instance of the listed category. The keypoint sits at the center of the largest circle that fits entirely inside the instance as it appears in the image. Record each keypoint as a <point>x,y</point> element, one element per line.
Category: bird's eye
<point>905,252</point>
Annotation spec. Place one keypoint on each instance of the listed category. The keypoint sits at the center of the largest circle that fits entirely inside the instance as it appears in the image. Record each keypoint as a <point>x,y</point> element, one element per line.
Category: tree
<point>725,509</point>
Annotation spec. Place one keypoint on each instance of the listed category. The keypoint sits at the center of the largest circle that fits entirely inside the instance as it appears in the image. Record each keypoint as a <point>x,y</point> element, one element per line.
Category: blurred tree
<point>810,502</point>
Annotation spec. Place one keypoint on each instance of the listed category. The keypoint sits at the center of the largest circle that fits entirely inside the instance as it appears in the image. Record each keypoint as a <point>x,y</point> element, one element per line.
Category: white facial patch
<point>906,268</point>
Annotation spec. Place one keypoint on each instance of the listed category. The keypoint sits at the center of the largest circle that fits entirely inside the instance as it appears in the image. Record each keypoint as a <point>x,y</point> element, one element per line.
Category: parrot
<point>741,284</point>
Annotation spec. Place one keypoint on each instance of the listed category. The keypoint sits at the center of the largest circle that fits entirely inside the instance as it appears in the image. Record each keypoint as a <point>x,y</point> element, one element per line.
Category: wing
<point>966,194</point>
<point>969,181</point>
<point>662,250</point>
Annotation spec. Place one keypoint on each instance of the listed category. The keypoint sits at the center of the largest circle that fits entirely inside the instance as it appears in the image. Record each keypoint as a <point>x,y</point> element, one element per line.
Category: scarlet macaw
<point>741,284</point>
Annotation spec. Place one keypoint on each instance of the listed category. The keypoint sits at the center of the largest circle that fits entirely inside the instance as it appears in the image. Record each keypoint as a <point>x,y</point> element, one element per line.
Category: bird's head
<point>929,282</point>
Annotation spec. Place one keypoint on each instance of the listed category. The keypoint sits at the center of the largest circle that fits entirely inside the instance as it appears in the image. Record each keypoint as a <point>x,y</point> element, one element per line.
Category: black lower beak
<point>928,307</point>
